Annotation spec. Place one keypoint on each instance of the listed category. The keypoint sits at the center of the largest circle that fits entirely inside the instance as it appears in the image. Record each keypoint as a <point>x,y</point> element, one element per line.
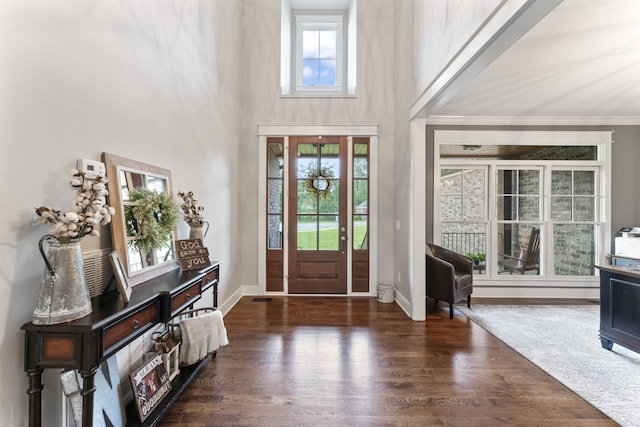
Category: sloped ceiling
<point>583,59</point>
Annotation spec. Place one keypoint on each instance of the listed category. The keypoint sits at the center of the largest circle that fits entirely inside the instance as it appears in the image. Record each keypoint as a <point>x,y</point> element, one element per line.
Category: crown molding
<point>535,120</point>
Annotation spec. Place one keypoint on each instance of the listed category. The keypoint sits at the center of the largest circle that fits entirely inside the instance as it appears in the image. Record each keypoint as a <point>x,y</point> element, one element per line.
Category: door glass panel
<point>274,226</point>
<point>307,232</point>
<point>307,201</point>
<point>360,233</point>
<point>275,196</point>
<point>329,162</point>
<point>275,160</point>
<point>329,201</point>
<point>328,235</point>
<point>307,160</point>
<point>360,164</point>
<point>360,195</point>
<point>360,225</point>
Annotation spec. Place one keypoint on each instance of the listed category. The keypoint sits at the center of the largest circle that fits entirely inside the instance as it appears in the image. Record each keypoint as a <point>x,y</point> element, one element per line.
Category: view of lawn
<point>328,237</point>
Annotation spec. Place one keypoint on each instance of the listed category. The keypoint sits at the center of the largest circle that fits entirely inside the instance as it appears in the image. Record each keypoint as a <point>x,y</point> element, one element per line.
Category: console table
<point>619,306</point>
<point>85,343</point>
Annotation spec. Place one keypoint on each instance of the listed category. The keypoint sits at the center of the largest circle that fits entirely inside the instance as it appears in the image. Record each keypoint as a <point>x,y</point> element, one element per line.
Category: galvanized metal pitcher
<point>64,295</point>
<point>195,231</point>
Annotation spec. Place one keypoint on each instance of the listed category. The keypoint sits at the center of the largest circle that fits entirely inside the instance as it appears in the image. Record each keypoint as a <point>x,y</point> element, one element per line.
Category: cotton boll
<point>70,217</point>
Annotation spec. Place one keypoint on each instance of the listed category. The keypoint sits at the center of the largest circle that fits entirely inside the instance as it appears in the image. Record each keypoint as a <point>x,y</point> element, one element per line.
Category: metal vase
<point>64,295</point>
<point>195,231</point>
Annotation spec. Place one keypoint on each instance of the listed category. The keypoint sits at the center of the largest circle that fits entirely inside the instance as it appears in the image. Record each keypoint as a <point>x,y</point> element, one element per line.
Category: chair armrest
<point>460,262</point>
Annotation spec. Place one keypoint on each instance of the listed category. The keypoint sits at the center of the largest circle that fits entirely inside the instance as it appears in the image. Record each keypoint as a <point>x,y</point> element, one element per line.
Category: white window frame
<point>320,22</point>
<point>547,284</point>
<point>290,47</point>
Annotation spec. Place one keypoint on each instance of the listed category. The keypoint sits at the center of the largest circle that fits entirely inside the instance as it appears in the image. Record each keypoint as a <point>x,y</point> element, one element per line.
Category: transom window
<point>318,47</point>
<point>319,59</point>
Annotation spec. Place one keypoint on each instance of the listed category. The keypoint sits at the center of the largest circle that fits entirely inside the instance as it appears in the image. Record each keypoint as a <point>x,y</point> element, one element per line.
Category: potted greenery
<point>477,258</point>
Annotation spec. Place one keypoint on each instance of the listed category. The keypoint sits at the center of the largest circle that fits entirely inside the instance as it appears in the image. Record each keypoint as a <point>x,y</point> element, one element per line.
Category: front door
<point>318,215</point>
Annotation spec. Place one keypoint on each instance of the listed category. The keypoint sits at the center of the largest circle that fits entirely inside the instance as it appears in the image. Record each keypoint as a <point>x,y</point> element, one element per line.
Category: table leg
<point>88,388</point>
<point>35,397</point>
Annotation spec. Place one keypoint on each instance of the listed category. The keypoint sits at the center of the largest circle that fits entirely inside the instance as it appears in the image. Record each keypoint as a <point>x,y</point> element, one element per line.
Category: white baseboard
<point>488,291</point>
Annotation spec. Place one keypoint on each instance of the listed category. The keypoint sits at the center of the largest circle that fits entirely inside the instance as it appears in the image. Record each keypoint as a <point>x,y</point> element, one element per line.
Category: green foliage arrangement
<point>477,258</point>
<point>151,219</point>
<point>320,182</point>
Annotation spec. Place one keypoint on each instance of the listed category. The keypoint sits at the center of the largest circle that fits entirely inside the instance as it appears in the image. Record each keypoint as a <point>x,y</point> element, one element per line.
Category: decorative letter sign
<point>192,255</point>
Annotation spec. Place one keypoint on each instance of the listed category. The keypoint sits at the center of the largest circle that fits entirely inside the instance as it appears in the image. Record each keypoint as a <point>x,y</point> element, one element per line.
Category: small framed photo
<point>121,277</point>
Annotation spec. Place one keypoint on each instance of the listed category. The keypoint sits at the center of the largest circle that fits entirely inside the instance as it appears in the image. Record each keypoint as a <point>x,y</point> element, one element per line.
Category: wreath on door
<point>320,182</point>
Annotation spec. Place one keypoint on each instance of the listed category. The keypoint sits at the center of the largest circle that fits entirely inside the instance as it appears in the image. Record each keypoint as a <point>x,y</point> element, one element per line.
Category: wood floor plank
<point>326,361</point>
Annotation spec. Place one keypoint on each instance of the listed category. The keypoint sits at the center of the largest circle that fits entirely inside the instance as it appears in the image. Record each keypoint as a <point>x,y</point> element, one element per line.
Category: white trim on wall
<point>533,121</point>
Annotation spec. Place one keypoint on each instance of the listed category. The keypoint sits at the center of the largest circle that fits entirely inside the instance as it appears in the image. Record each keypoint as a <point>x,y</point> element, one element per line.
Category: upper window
<point>318,48</point>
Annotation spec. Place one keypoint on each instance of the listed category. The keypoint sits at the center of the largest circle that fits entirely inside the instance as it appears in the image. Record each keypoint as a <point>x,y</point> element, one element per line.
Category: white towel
<point>201,335</point>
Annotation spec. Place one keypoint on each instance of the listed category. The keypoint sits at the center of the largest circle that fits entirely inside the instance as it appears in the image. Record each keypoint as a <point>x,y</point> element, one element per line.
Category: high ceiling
<point>583,59</point>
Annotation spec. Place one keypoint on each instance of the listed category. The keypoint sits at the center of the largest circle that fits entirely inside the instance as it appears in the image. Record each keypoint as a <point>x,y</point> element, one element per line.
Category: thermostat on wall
<point>91,168</point>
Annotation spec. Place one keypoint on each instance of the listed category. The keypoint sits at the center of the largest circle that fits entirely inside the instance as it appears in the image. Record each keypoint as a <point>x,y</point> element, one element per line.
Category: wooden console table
<point>85,343</point>
<point>619,306</point>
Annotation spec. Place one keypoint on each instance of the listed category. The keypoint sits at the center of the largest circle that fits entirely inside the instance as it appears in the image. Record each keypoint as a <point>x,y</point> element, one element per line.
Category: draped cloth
<point>201,335</point>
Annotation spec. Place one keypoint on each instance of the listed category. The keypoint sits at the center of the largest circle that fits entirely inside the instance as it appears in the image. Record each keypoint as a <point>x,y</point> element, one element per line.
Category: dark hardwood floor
<point>309,361</point>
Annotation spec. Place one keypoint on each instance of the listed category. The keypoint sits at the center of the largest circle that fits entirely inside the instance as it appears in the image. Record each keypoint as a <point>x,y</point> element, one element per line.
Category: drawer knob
<point>187,296</point>
<point>135,324</point>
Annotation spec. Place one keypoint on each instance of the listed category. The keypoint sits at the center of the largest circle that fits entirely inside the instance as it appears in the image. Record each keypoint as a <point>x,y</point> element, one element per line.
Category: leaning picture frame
<point>150,384</point>
<point>121,278</point>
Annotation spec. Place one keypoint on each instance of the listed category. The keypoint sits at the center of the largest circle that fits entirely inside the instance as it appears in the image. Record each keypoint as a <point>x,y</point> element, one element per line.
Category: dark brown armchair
<point>449,276</point>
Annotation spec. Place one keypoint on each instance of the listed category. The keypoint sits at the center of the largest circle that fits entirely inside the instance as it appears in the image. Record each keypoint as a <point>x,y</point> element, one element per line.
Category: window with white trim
<point>318,48</point>
<point>552,184</point>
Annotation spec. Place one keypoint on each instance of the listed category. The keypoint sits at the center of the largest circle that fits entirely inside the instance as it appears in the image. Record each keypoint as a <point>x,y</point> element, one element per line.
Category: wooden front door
<point>318,215</point>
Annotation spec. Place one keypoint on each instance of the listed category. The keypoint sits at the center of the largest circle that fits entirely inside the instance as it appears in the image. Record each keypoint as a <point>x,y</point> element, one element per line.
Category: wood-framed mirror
<point>126,176</point>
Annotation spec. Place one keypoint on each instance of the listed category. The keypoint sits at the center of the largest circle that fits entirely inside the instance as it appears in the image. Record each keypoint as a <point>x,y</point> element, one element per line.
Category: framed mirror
<point>129,181</point>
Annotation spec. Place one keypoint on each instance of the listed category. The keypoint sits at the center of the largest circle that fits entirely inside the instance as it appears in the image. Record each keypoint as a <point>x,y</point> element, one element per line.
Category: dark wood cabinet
<point>85,343</point>
<point>620,306</point>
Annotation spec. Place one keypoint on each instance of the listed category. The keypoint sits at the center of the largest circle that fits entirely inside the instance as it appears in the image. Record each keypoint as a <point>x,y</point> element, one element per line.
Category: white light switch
<point>397,224</point>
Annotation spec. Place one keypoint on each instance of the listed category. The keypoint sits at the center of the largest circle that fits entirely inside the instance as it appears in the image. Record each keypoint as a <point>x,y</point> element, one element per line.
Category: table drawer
<point>210,279</point>
<point>133,324</point>
<point>185,298</point>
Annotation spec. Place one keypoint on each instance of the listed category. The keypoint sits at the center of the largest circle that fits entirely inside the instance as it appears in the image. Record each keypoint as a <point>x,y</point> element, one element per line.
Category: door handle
<point>343,238</point>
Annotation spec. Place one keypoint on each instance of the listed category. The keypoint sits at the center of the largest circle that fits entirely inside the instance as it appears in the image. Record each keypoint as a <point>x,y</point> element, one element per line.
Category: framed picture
<point>121,277</point>
<point>150,384</point>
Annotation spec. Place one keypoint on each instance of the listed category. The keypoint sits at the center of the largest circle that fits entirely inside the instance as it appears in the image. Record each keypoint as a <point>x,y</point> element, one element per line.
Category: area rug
<point>563,340</point>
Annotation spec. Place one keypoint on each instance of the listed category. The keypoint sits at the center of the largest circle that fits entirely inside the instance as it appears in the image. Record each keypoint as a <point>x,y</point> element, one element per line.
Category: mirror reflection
<point>143,232</point>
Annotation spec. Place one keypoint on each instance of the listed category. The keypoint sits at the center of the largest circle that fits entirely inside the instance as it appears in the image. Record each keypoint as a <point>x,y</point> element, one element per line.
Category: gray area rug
<point>563,340</point>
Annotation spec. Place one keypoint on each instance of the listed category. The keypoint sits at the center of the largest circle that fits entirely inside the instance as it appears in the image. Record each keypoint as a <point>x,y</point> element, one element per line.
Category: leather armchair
<point>449,276</point>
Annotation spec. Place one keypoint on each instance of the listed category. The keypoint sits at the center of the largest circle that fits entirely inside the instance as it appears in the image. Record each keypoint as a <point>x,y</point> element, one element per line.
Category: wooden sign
<point>192,255</point>
<point>150,384</point>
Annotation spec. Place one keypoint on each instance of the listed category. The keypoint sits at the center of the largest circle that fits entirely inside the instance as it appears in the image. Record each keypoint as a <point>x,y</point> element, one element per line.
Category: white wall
<point>154,81</point>
<point>429,34</point>
<point>263,105</point>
